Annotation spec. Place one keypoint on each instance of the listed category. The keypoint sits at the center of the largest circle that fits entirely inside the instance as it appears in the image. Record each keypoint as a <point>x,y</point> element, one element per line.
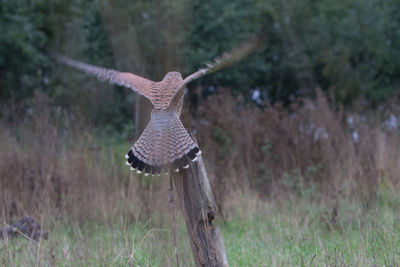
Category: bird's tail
<point>164,144</point>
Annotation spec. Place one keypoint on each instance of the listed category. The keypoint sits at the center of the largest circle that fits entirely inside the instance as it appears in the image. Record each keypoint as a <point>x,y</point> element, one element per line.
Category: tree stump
<point>198,208</point>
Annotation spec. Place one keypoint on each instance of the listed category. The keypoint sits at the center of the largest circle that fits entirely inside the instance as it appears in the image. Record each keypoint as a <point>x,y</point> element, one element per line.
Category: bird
<point>165,144</point>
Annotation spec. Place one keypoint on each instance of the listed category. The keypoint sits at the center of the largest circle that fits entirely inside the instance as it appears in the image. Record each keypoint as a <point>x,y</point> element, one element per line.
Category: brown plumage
<point>164,142</point>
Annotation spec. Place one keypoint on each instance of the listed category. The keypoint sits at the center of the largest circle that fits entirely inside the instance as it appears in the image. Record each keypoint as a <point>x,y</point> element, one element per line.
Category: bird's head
<point>173,76</point>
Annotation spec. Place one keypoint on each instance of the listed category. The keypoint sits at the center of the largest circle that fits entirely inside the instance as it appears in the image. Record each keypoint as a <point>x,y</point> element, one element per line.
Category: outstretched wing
<point>225,60</point>
<point>136,83</point>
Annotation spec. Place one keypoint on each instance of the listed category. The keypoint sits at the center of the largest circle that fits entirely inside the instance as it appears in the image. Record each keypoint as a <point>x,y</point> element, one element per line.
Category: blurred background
<point>313,114</point>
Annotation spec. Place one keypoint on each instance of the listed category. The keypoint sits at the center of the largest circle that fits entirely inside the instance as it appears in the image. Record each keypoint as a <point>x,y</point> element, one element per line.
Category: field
<point>300,139</point>
<point>294,233</point>
<point>303,200</point>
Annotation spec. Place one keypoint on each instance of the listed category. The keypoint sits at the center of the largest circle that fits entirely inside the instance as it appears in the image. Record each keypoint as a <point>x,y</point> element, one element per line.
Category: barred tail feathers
<point>164,144</point>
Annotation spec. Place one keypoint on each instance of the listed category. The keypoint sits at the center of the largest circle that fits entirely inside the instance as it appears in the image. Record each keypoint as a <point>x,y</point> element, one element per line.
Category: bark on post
<point>198,208</point>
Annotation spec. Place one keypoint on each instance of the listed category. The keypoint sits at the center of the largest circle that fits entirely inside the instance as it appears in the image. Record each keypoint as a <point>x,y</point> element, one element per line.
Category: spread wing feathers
<point>226,59</point>
<point>136,83</point>
<point>229,58</point>
<point>164,144</point>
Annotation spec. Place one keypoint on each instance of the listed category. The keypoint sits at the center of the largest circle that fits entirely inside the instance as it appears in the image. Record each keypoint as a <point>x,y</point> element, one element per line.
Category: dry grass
<point>310,147</point>
<point>51,164</point>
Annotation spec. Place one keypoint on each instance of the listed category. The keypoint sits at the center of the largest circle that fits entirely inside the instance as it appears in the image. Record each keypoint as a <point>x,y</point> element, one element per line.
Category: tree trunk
<point>198,208</point>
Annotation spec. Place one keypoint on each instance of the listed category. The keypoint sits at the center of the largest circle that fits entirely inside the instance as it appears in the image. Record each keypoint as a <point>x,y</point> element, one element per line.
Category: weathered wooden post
<point>198,208</point>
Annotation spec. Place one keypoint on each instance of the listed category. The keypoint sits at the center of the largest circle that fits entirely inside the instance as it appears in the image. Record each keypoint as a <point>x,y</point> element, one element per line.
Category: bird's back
<point>161,92</point>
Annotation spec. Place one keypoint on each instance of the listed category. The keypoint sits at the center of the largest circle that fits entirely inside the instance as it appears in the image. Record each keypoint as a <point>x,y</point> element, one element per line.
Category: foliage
<point>24,35</point>
<point>346,45</point>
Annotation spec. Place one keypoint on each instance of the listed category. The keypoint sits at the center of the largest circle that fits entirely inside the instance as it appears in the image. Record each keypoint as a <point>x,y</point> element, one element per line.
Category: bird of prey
<point>164,143</point>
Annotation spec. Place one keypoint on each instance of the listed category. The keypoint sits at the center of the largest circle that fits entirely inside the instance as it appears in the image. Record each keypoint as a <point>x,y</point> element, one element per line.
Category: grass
<point>297,233</point>
<point>302,235</point>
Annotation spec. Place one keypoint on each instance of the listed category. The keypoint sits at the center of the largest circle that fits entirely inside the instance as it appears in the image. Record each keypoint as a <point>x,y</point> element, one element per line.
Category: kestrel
<point>164,142</point>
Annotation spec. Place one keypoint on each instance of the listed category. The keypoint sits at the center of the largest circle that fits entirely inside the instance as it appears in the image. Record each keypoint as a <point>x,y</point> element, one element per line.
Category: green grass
<point>297,233</point>
<point>303,236</point>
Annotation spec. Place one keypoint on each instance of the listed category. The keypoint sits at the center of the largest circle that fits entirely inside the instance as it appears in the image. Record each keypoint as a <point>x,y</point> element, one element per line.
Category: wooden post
<point>198,208</point>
